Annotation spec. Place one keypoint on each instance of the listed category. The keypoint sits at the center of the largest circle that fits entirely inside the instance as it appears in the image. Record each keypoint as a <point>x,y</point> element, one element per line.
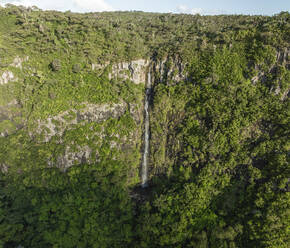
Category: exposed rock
<point>91,113</point>
<point>135,112</point>
<point>85,154</point>
<point>17,62</point>
<point>6,77</point>
<point>10,110</point>
<point>3,168</point>
<point>99,113</point>
<point>256,78</point>
<point>99,66</point>
<point>277,90</point>
<point>134,70</point>
<point>283,56</point>
<point>285,94</point>
<point>70,158</point>
<point>10,118</point>
<point>170,69</point>
<point>4,133</point>
<point>41,28</point>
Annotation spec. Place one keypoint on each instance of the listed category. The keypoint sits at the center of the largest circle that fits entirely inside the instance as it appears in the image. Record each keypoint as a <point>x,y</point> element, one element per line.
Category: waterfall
<point>144,172</point>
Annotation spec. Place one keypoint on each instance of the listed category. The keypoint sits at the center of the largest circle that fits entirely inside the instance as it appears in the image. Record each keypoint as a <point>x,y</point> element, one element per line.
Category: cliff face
<point>167,71</point>
<point>134,71</point>
<point>52,98</point>
<point>56,125</point>
<point>199,102</point>
<point>54,129</point>
<point>164,71</point>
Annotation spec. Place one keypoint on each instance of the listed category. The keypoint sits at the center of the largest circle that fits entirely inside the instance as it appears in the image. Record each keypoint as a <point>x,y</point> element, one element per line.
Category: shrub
<point>55,65</point>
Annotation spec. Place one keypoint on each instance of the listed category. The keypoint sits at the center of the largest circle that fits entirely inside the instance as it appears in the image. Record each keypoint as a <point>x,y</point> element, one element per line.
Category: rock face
<point>17,62</point>
<point>135,112</point>
<point>75,154</point>
<point>99,113</point>
<point>56,125</point>
<point>71,158</point>
<point>283,57</point>
<point>134,71</point>
<point>10,118</point>
<point>99,66</point>
<point>169,69</point>
<point>166,71</point>
<point>6,77</point>
<point>3,168</point>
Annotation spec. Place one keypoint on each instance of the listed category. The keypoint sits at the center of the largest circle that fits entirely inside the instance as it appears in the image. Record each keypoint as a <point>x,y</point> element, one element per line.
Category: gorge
<point>133,129</point>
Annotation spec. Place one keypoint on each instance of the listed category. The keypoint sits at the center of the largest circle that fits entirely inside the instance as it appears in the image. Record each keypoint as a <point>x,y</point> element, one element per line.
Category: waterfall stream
<point>144,169</point>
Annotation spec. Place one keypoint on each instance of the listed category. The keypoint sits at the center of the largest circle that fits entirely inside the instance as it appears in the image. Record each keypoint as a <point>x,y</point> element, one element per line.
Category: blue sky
<point>266,7</point>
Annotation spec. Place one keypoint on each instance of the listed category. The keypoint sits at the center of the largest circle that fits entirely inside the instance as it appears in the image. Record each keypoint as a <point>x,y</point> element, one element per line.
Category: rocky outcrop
<point>56,125</point>
<point>72,157</point>
<point>6,77</point>
<point>277,90</point>
<point>99,113</point>
<point>170,70</point>
<point>134,70</point>
<point>4,168</point>
<point>135,112</point>
<point>99,66</point>
<point>76,154</point>
<point>282,57</point>
<point>17,62</point>
<point>10,118</point>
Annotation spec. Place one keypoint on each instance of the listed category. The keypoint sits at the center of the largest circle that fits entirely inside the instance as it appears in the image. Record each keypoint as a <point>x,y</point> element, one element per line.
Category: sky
<point>203,7</point>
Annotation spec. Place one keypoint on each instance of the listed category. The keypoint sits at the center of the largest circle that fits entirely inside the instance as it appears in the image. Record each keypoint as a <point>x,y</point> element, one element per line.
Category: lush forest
<point>72,127</point>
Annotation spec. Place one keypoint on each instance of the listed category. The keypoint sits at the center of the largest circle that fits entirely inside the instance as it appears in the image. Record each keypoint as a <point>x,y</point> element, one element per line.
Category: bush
<point>55,65</point>
<point>76,68</point>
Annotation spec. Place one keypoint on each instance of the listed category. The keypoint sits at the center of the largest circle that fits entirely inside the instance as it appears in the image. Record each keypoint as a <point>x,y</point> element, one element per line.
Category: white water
<point>144,172</point>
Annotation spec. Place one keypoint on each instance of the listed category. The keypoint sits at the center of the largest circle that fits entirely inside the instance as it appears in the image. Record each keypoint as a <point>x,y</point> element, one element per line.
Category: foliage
<point>219,148</point>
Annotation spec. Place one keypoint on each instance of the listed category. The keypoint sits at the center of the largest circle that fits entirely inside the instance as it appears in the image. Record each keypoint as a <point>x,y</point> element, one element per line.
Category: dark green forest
<point>72,130</point>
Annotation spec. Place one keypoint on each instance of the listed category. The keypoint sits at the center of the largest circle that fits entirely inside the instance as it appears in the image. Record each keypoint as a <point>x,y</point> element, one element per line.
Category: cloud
<point>186,10</point>
<point>73,5</point>
<point>93,5</point>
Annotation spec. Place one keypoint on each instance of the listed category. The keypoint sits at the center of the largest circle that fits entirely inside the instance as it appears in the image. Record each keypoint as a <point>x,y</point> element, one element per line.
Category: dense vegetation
<point>219,148</point>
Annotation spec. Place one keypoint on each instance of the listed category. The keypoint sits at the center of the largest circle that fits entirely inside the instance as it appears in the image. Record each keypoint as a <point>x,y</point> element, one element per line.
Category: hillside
<point>133,129</point>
